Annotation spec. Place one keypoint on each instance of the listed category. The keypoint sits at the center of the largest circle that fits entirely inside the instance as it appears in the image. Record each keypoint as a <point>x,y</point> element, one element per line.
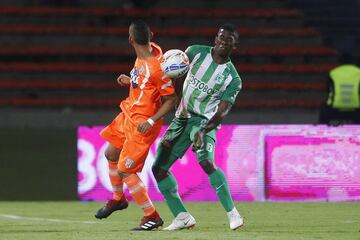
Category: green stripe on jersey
<point>194,95</point>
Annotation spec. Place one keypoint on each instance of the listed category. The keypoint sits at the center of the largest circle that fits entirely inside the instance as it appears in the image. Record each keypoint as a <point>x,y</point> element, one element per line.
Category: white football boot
<point>235,220</point>
<point>183,220</point>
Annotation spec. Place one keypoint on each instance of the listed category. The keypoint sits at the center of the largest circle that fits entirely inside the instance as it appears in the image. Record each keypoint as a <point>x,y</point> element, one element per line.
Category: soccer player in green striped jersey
<point>209,90</point>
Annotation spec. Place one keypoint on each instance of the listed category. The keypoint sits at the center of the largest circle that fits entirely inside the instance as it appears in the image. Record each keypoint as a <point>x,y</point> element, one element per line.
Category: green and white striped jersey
<point>207,83</point>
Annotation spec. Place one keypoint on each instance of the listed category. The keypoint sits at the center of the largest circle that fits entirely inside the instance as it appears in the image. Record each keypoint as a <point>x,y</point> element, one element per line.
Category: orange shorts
<point>122,133</point>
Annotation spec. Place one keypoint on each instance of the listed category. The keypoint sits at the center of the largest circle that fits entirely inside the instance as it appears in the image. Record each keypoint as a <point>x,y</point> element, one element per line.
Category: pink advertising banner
<point>193,182</point>
<point>252,157</point>
<point>313,168</point>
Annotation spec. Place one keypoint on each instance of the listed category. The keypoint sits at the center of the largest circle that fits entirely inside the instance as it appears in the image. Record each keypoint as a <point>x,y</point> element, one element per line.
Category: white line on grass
<point>16,218</point>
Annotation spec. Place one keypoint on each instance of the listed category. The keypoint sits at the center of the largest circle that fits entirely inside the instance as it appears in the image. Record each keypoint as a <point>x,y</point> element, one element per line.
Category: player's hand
<point>123,80</point>
<point>144,127</point>
<point>198,140</point>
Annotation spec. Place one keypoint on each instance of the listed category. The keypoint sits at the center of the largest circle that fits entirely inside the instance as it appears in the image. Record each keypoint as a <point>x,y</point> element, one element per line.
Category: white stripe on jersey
<point>146,79</point>
<point>165,85</point>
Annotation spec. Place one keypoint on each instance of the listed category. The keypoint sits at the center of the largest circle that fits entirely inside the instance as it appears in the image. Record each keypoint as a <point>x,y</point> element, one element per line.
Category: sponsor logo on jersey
<point>200,85</point>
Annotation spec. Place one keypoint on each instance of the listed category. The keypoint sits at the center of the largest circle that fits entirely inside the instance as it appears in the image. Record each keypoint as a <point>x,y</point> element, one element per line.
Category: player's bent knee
<point>155,170</point>
<point>111,157</point>
<point>166,144</point>
<point>123,174</point>
<point>159,173</point>
<point>208,166</point>
<point>112,154</point>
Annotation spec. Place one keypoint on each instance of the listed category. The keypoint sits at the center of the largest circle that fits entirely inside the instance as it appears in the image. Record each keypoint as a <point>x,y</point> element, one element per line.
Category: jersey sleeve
<point>191,51</point>
<point>232,90</point>
<point>163,83</point>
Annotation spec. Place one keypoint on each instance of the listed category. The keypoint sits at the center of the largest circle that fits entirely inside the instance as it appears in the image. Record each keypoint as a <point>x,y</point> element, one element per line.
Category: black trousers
<point>332,116</point>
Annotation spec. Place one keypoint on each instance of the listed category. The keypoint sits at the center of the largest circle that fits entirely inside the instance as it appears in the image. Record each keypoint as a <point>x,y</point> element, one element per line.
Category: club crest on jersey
<point>219,78</point>
<point>129,163</point>
<point>134,78</point>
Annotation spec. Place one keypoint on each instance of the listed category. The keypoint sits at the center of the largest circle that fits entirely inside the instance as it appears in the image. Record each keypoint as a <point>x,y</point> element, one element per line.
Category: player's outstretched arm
<point>223,109</point>
<point>169,102</point>
<point>123,80</point>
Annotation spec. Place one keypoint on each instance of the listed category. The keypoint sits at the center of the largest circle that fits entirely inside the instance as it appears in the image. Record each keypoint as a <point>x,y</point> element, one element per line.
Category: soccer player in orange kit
<point>132,132</point>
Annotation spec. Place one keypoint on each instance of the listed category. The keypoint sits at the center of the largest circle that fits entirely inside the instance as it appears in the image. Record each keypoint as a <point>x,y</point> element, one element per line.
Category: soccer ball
<point>175,63</point>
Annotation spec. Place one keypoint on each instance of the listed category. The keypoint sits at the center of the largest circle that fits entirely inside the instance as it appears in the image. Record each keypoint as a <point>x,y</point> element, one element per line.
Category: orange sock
<point>138,192</point>
<point>116,181</point>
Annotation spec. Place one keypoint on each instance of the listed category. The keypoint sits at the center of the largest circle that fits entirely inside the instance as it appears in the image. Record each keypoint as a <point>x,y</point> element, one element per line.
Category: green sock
<point>169,189</point>
<point>220,185</point>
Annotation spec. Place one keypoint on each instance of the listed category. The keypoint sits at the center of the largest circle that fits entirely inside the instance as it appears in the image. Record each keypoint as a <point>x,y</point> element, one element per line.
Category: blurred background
<point>59,60</point>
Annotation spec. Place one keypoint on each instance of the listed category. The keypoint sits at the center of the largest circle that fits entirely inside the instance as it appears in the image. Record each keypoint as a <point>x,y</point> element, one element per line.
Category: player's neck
<point>220,59</point>
<point>143,51</point>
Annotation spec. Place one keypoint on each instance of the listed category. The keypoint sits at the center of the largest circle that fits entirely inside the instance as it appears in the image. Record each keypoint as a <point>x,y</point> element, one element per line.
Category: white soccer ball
<point>175,63</point>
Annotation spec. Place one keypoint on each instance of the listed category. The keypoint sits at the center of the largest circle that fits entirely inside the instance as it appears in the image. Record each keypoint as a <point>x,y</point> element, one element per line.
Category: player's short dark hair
<point>231,28</point>
<point>141,32</point>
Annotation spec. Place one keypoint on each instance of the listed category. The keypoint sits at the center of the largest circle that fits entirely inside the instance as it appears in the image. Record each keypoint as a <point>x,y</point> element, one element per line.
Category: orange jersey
<point>147,84</point>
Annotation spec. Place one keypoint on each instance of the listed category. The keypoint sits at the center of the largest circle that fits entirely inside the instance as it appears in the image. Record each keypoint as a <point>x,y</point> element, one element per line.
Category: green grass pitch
<point>280,221</point>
